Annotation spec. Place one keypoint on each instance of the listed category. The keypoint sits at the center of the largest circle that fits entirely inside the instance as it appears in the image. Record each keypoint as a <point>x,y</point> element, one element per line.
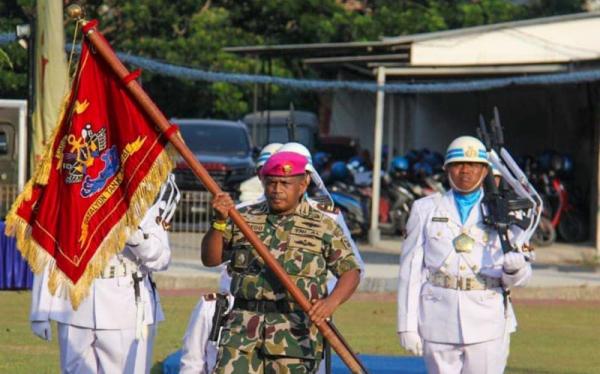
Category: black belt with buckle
<point>267,306</point>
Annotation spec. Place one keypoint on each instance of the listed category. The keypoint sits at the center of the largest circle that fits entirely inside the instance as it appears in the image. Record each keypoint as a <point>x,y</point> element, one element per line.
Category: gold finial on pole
<point>75,11</point>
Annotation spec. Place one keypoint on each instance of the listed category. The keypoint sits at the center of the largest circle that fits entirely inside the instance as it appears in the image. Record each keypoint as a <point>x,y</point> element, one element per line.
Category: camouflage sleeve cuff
<point>347,264</point>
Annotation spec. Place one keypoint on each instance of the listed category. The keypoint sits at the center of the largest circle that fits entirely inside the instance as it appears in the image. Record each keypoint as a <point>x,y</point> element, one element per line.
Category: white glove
<point>513,262</point>
<point>411,341</point>
<point>42,329</point>
<point>139,245</point>
<point>136,238</point>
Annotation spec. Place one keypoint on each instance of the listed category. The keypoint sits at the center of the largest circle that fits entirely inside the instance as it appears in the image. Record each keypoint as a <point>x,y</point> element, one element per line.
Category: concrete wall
<point>353,114</point>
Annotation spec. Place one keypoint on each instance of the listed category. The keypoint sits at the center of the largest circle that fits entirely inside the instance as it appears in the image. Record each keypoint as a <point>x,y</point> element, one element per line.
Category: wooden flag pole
<point>103,49</point>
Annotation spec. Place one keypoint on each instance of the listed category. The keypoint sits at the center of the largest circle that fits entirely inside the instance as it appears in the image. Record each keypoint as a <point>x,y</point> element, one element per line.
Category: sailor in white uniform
<point>452,303</point>
<point>113,329</point>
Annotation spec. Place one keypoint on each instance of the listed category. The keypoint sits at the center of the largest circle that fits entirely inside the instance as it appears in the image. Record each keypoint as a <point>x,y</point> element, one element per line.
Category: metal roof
<point>491,27</point>
<point>395,41</point>
<point>399,52</point>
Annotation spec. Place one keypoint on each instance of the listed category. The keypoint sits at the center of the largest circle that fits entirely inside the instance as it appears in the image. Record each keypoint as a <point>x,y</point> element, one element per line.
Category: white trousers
<point>480,358</point>
<point>84,350</point>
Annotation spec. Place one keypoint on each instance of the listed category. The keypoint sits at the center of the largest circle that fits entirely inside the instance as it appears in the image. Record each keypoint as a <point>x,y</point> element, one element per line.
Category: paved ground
<point>560,265</point>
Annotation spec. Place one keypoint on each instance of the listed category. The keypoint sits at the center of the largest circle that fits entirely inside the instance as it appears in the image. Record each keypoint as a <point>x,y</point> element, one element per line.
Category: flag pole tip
<point>75,11</point>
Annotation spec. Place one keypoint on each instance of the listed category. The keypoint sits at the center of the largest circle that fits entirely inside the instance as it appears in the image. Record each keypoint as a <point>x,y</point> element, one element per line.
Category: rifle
<point>291,124</point>
<point>500,201</point>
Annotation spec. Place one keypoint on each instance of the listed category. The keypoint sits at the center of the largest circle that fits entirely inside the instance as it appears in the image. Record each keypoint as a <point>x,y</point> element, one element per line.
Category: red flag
<point>100,173</point>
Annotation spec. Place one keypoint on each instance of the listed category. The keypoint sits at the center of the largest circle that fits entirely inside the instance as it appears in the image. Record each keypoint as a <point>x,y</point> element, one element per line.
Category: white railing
<point>8,194</point>
<point>190,222</point>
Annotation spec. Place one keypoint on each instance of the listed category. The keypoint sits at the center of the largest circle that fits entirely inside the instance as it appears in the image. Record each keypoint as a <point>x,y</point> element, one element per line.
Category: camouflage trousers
<point>254,342</point>
<point>234,361</point>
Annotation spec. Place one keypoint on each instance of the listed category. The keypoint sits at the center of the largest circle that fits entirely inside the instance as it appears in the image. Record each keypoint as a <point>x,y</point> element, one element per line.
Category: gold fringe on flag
<point>38,258</point>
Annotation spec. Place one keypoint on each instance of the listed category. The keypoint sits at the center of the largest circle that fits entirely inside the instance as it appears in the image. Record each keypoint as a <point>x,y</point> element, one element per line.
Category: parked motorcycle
<point>560,215</point>
<point>350,187</point>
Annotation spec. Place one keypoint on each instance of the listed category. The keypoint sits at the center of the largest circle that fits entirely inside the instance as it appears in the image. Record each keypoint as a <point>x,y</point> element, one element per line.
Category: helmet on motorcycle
<point>339,171</point>
<point>412,156</point>
<point>400,163</point>
<point>434,159</point>
<point>422,169</point>
<point>267,152</point>
<point>320,160</point>
<point>356,162</point>
<point>466,149</point>
<point>544,160</point>
<point>424,152</point>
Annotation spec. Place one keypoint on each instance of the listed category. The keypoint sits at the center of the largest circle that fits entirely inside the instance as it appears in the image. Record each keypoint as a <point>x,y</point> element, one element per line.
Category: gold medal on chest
<point>463,243</point>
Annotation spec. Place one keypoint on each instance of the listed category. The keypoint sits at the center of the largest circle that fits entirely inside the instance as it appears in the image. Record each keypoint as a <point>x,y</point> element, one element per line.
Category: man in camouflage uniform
<point>266,330</point>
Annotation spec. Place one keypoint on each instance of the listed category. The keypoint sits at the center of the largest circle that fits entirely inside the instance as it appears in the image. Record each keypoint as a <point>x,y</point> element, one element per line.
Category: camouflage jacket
<point>307,244</point>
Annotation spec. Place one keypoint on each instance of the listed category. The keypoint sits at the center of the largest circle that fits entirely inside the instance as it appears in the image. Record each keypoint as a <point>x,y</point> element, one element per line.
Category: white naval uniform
<point>100,336</point>
<point>464,331</point>
<point>251,189</point>
<point>198,354</point>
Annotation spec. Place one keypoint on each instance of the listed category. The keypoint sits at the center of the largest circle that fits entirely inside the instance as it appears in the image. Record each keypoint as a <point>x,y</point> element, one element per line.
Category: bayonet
<point>291,124</point>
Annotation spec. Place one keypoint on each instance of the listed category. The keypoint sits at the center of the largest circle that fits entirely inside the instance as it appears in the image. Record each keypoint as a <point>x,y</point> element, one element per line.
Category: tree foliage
<point>193,33</point>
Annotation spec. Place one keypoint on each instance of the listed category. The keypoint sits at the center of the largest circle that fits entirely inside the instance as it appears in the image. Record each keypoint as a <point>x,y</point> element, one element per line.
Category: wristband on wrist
<point>219,225</point>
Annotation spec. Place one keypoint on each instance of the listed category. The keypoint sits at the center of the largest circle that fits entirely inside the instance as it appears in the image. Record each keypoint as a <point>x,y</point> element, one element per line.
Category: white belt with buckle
<point>121,270</point>
<point>479,283</point>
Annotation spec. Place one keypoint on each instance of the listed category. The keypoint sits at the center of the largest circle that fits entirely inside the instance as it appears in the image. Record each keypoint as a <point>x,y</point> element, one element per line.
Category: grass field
<point>553,338</point>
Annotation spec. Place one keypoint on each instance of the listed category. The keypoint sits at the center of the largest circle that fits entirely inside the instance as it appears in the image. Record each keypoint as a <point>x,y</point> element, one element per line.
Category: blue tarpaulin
<point>14,271</point>
<point>375,364</point>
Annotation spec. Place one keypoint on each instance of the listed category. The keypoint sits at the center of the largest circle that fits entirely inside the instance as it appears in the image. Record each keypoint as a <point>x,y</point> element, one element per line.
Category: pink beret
<point>284,164</point>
